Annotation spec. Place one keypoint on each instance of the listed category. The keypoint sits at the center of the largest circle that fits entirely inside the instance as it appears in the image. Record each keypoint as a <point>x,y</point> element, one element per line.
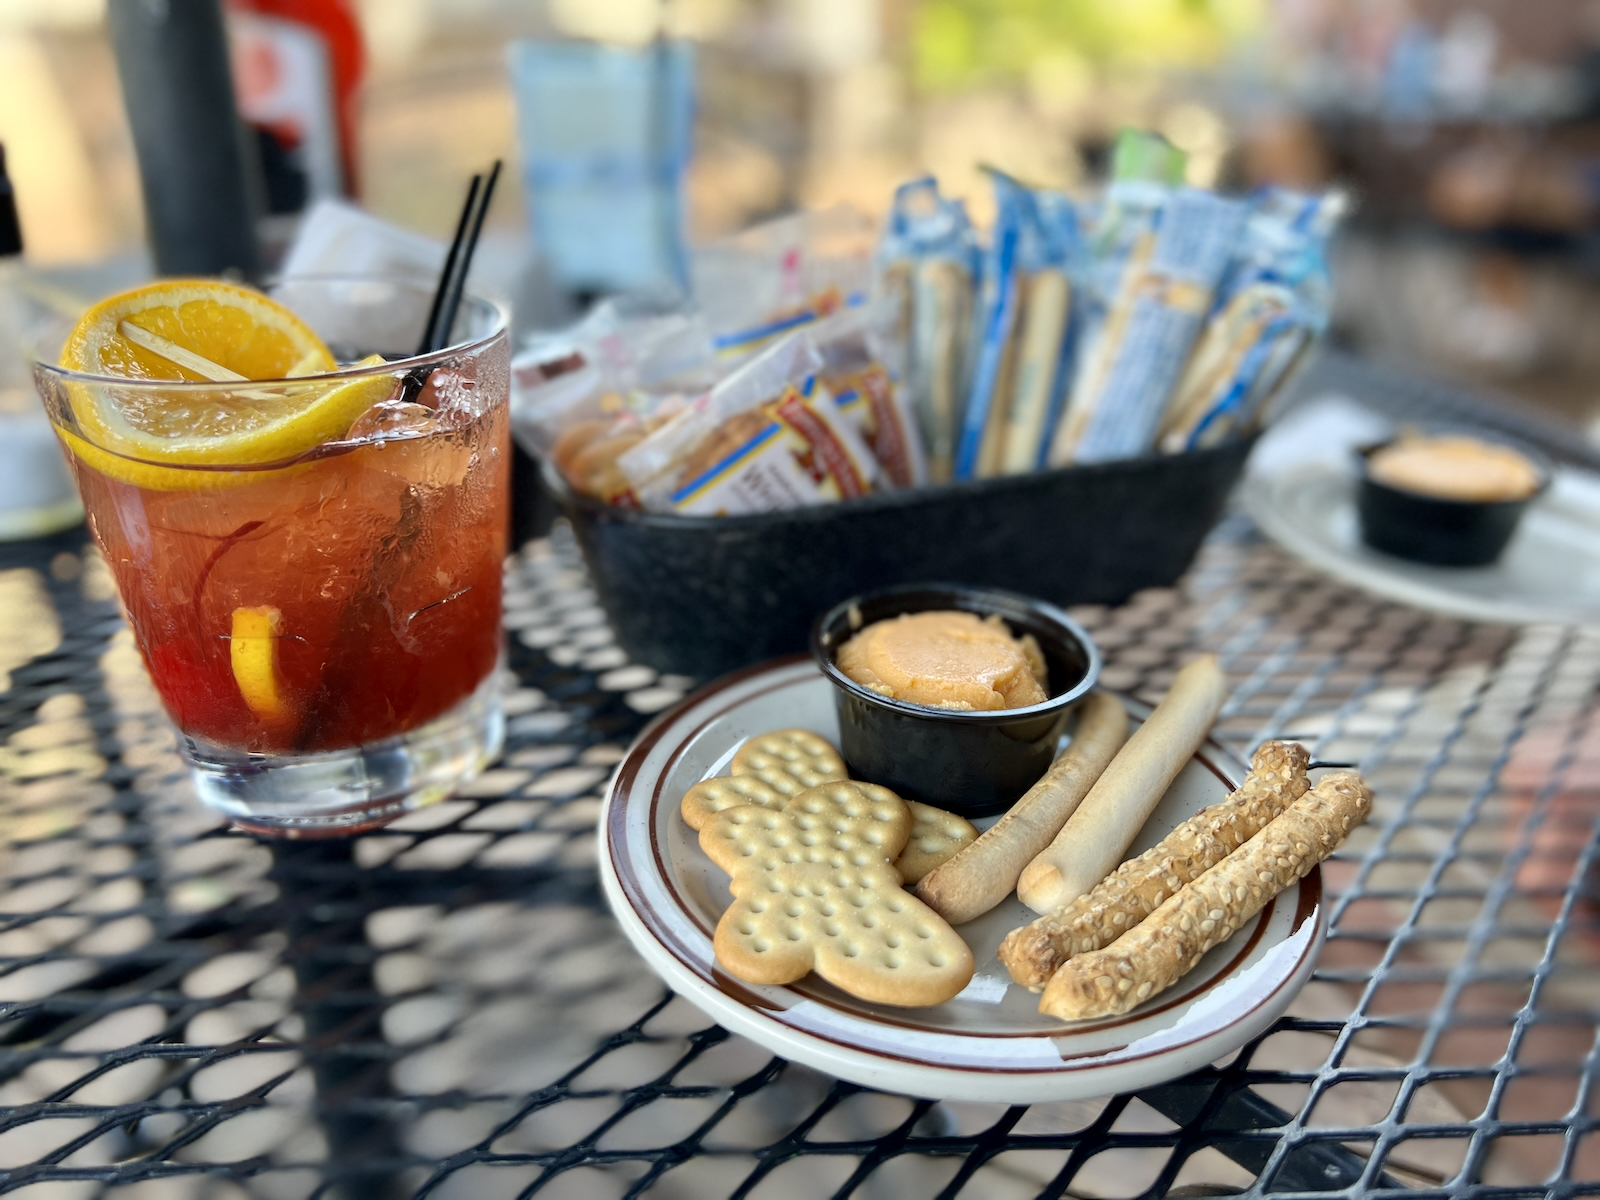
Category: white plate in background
<point>1301,492</point>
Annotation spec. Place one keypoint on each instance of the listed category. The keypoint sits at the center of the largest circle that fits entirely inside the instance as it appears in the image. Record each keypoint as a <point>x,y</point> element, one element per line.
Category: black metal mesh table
<point>445,1008</point>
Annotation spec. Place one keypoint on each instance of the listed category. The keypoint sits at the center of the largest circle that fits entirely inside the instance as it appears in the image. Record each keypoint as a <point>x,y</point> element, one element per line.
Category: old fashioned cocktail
<point>311,565</point>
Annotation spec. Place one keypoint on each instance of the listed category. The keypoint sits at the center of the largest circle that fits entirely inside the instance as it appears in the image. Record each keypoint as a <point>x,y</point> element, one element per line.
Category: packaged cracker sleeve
<point>875,405</point>
<point>627,355</point>
<point>586,453</point>
<point>1265,367</point>
<point>978,449</point>
<point>768,437</point>
<point>797,450</point>
<point>1143,154</point>
<point>1254,333</point>
<point>944,293</point>
<point>929,266</point>
<point>1145,169</point>
<point>766,281</point>
<point>1273,303</point>
<point>554,386</point>
<point>861,369</point>
<point>1285,241</point>
<point>1024,331</point>
<point>1125,380</point>
<point>1046,300</point>
<point>1052,261</point>
<point>763,378</point>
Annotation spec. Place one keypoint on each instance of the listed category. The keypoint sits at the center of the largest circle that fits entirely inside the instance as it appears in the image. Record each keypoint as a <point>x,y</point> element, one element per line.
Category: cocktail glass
<point>325,631</point>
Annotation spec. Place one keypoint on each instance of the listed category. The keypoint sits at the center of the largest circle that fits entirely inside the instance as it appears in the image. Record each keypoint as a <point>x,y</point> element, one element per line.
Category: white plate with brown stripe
<point>990,1043</point>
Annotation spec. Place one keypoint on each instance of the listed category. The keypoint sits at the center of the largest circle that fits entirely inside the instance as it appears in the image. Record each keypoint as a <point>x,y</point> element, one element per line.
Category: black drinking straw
<point>428,344</point>
<point>458,285</point>
<point>452,278</point>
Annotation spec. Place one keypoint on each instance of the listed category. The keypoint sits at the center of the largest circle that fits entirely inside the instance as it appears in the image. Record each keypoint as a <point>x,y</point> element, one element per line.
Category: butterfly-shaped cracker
<point>815,888</point>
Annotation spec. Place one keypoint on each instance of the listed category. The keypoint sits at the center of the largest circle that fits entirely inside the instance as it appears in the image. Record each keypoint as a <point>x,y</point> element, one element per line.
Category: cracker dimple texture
<point>789,760</point>
<point>814,888</point>
<point>710,796</point>
<point>936,835</point>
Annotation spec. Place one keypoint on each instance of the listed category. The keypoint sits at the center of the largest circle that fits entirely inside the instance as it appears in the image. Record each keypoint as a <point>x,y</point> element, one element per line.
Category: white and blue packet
<point>1025,333</point>
<point>929,267</point>
<point>1273,304</point>
<point>762,283</point>
<point>1126,377</point>
<point>996,319</point>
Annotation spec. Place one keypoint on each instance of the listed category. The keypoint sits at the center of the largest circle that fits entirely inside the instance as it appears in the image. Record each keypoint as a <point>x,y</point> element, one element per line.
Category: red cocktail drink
<point>326,624</point>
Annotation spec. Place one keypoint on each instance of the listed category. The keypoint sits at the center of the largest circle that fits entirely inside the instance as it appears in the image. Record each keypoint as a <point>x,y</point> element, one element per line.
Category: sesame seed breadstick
<point>1135,889</point>
<point>984,873</point>
<point>1170,942</point>
<point>1097,835</point>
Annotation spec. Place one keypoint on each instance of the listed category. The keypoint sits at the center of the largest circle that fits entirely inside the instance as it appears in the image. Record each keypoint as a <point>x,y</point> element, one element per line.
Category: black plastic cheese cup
<point>977,764</point>
<point>1439,531</point>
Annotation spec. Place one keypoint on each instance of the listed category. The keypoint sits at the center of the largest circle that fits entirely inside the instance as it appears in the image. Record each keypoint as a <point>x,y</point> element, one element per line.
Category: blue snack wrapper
<point>929,266</point>
<point>1143,346</point>
<point>1273,303</point>
<point>997,314</point>
<point>1050,331</point>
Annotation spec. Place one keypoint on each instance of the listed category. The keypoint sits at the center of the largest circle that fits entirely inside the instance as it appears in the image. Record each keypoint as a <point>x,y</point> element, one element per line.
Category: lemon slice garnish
<point>254,649</point>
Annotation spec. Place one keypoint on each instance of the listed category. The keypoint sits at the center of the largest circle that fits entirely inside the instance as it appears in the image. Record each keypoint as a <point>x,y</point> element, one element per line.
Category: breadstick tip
<point>1040,885</point>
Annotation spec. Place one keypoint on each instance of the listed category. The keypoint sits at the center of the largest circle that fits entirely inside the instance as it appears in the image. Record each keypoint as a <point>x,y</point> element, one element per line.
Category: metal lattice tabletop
<point>446,1009</point>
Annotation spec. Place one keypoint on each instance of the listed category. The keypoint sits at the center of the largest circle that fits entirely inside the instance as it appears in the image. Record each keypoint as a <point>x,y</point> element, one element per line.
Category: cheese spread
<point>947,659</point>
<point>1455,467</point>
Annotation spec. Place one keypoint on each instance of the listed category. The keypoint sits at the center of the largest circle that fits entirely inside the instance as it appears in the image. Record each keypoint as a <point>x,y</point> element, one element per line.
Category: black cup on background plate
<point>1436,530</point>
<point>976,764</point>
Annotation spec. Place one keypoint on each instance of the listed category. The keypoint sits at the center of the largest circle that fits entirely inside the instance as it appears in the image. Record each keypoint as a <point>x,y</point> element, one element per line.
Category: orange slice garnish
<point>194,330</point>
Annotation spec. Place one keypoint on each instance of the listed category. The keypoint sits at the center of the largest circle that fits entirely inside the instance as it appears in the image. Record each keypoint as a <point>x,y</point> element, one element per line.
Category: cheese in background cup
<point>1447,499</point>
<point>1455,467</point>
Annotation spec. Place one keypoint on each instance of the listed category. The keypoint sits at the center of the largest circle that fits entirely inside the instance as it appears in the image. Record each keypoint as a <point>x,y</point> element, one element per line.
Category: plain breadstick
<point>1169,943</point>
<point>984,873</point>
<point>1139,886</point>
<point>1098,834</point>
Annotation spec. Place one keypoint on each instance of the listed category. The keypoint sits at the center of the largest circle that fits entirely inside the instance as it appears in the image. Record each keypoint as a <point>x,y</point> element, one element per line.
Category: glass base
<point>343,792</point>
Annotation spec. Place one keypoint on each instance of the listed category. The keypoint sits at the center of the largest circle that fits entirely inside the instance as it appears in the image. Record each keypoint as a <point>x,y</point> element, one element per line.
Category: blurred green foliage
<point>961,43</point>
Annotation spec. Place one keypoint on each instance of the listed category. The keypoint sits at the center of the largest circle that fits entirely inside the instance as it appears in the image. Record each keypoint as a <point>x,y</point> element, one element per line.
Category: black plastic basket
<point>703,595</point>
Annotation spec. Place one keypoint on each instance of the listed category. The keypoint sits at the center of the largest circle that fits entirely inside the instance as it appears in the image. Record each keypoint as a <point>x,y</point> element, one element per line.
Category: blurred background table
<point>445,1008</point>
<point>1469,129</point>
